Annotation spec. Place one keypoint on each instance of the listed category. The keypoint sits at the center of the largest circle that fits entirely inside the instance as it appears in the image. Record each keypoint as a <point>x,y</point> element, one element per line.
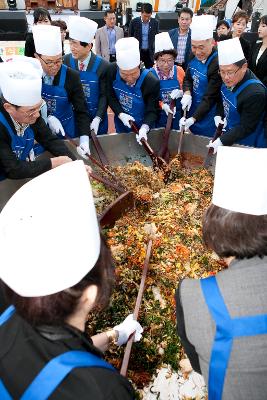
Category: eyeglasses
<point>29,114</point>
<point>230,74</point>
<point>167,62</point>
<point>52,63</point>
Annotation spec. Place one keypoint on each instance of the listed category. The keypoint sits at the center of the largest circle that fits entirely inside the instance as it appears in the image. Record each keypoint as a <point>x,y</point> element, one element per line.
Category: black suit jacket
<point>260,69</point>
<point>150,91</point>
<point>102,75</point>
<point>135,30</point>
<point>74,89</point>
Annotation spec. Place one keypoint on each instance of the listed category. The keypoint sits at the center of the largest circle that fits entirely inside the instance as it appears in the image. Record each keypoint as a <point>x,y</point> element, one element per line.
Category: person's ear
<point>89,295</point>
<point>8,107</point>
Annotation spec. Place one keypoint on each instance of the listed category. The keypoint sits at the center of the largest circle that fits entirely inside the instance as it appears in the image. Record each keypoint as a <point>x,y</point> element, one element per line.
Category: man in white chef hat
<point>21,126</point>
<point>92,69</point>
<point>222,320</point>
<point>61,89</point>
<point>133,92</point>
<point>202,82</point>
<point>56,268</point>
<point>243,99</point>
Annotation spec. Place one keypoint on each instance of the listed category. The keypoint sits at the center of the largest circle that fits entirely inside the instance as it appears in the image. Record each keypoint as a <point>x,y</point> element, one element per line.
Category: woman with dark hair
<point>42,334</point>
<point>258,58</point>
<point>239,24</point>
<point>63,30</point>
<point>41,16</point>
<point>171,80</point>
<point>222,28</point>
<point>222,319</point>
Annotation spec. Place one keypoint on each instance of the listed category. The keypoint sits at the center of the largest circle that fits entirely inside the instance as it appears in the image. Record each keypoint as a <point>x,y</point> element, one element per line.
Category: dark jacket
<point>244,290</point>
<point>102,75</point>
<point>29,45</point>
<point>174,33</point>
<point>135,30</point>
<point>251,104</point>
<point>74,89</point>
<point>150,91</point>
<point>17,169</point>
<point>36,347</point>
<point>259,69</point>
<point>212,94</point>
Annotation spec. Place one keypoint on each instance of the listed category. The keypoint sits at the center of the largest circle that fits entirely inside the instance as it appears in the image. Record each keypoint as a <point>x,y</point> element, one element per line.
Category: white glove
<point>186,122</point>
<point>126,328</point>
<point>55,125</point>
<point>186,101</point>
<point>176,94</point>
<point>84,148</point>
<point>95,124</point>
<point>125,119</point>
<point>142,134</point>
<point>215,145</point>
<point>218,120</point>
<point>168,110</point>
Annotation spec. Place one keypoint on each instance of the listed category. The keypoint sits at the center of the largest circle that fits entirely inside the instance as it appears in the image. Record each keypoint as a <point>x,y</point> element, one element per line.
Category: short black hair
<point>146,8</point>
<point>234,234</point>
<point>223,22</point>
<point>186,10</point>
<point>39,14</point>
<point>59,22</point>
<point>84,44</point>
<point>109,11</point>
<point>172,52</point>
<point>240,63</point>
<point>263,20</point>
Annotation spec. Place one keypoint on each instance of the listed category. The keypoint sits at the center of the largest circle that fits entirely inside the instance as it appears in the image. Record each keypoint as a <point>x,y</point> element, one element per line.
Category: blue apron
<point>166,87</point>
<point>130,99</point>
<point>256,138</point>
<point>90,83</point>
<point>199,74</point>
<point>227,329</point>
<point>53,373</point>
<point>20,145</point>
<point>58,103</point>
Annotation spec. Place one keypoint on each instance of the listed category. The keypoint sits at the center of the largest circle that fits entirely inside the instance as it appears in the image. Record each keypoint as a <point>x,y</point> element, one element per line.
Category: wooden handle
<point>128,348</point>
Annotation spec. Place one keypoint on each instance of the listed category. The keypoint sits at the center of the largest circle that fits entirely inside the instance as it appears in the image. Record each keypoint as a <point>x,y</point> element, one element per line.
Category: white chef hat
<point>240,183</point>
<point>202,27</point>
<point>127,53</point>
<point>20,83</point>
<point>32,61</point>
<point>52,223</point>
<point>163,42</point>
<point>82,29</point>
<point>47,40</point>
<point>230,51</point>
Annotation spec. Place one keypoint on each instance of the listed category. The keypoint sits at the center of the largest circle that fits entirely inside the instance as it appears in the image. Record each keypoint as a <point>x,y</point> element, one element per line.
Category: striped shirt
<point>181,46</point>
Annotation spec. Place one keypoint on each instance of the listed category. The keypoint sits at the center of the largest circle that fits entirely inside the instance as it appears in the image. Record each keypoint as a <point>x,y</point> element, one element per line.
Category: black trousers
<point>146,58</point>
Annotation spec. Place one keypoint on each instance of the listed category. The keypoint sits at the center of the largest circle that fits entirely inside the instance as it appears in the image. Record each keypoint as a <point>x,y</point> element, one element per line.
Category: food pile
<point>176,209</point>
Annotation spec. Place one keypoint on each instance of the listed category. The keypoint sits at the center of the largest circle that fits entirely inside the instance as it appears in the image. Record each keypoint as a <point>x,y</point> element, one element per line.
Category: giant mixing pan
<point>123,148</point>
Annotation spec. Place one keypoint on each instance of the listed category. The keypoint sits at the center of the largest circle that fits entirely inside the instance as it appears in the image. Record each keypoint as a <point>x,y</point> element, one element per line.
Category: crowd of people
<point>48,96</point>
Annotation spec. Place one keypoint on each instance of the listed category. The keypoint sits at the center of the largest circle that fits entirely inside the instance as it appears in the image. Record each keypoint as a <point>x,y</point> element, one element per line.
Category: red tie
<point>81,66</point>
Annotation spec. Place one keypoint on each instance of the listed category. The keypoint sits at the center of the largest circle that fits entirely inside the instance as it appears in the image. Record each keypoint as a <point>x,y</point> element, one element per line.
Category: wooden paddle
<point>128,348</point>
<point>100,152</point>
<point>208,159</point>
<point>164,150</point>
<point>181,135</point>
<point>157,162</point>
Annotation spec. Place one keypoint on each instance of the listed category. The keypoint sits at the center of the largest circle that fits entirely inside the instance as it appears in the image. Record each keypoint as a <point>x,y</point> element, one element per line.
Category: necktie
<point>81,66</point>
